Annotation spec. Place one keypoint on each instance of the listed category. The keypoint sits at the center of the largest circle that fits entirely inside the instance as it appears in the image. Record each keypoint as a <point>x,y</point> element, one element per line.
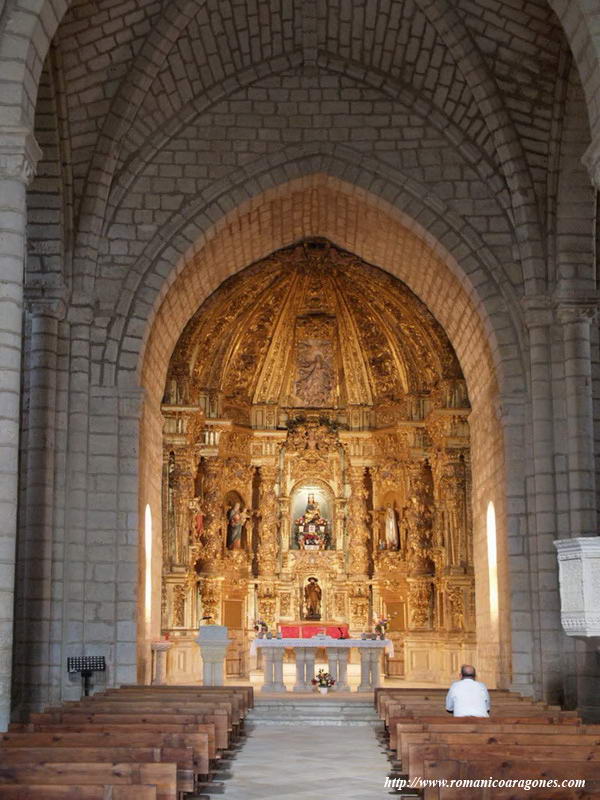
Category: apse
<point>316,434</point>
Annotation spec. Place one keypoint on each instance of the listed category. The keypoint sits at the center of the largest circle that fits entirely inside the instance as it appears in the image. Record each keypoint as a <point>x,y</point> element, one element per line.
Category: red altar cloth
<point>307,631</point>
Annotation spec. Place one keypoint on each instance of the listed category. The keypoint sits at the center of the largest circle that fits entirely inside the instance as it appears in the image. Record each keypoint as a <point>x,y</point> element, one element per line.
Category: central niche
<point>317,464</point>
<point>312,514</point>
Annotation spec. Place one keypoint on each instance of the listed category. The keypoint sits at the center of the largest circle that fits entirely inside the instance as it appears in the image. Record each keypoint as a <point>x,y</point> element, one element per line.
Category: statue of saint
<point>312,599</point>
<point>312,512</point>
<point>236,519</point>
<point>391,529</point>
<point>315,378</point>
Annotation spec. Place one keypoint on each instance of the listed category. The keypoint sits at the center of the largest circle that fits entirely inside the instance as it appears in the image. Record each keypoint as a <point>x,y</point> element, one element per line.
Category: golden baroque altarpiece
<point>315,433</point>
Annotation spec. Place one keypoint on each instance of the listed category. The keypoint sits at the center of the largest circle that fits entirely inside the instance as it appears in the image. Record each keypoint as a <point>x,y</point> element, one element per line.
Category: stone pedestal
<point>579,577</point>
<point>213,643</point>
<point>273,669</point>
<point>160,650</point>
<point>305,668</point>
<point>370,670</point>
<point>337,665</point>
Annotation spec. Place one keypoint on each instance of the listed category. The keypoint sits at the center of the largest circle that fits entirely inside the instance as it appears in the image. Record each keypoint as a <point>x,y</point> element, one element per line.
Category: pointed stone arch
<point>460,298</point>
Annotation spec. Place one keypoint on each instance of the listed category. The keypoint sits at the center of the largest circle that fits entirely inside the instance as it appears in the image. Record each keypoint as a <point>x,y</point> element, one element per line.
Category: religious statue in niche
<point>237,517</point>
<point>312,529</point>
<point>314,382</point>
<point>312,599</point>
<point>391,528</point>
<point>197,527</point>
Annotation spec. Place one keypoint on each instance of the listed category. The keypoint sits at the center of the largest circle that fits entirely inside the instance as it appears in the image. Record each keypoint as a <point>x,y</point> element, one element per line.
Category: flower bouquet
<point>323,681</point>
<point>261,628</point>
<point>381,626</point>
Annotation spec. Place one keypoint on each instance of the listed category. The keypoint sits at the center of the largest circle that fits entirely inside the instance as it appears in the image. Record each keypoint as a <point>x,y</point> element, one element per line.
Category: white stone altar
<point>370,651</point>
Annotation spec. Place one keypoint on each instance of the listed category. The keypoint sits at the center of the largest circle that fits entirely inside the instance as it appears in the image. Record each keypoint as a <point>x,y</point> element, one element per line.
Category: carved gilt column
<point>211,549</point>
<point>268,544</point>
<point>356,524</point>
<point>182,481</point>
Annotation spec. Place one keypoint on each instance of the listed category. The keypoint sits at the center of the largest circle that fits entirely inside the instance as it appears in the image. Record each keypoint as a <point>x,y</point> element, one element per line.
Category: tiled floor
<point>308,763</point>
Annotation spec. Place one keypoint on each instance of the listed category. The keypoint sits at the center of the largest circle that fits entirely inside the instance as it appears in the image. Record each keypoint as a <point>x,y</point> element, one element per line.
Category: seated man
<point>468,697</point>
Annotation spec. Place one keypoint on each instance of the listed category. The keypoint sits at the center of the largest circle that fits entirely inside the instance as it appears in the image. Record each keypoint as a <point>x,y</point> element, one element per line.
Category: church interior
<point>299,337</point>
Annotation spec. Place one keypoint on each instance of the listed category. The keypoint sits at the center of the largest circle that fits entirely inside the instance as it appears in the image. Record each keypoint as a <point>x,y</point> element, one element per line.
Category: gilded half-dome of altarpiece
<point>313,327</point>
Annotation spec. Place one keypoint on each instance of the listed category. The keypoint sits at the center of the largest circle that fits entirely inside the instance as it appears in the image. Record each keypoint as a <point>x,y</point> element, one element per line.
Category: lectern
<point>213,643</point>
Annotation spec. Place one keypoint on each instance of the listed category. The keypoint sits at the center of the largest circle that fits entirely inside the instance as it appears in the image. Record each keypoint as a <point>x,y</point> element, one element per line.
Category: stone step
<point>314,711</point>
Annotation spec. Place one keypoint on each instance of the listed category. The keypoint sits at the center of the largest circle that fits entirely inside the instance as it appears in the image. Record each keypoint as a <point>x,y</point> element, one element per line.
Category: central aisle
<point>312,758</point>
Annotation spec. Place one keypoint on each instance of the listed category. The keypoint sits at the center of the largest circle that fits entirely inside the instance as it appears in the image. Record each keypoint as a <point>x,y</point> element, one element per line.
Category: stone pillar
<point>544,667</point>
<point>300,685</point>
<point>310,667</point>
<point>268,669</point>
<point>19,154</point>
<point>375,666</point>
<point>333,666</point>
<point>575,320</point>
<point>343,654</point>
<point>278,684</point>
<point>38,540</point>
<point>366,684</point>
<point>305,668</point>
<point>160,650</point>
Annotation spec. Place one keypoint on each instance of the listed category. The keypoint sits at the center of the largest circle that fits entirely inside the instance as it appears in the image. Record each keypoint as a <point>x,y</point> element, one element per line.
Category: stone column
<point>546,653</point>
<point>160,650</point>
<point>375,666</point>
<point>38,540</point>
<point>19,154</point>
<point>333,666</point>
<point>343,654</point>
<point>300,685</point>
<point>310,667</point>
<point>365,684</point>
<point>575,320</point>
<point>268,669</point>
<point>278,684</point>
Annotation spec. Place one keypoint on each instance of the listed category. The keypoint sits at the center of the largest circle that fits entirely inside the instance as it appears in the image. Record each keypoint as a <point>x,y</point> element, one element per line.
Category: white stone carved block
<point>213,643</point>
<point>579,577</point>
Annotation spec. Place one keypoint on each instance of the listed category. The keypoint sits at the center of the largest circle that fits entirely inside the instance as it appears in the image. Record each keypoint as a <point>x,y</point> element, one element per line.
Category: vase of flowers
<point>324,681</point>
<point>381,627</point>
<point>261,628</point>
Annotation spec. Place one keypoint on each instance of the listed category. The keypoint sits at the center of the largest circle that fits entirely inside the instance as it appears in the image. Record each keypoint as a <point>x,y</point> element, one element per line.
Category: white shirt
<point>468,698</point>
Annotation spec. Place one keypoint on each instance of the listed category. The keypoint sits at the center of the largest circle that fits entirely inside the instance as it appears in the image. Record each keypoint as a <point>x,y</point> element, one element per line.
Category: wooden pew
<point>162,776</point>
<point>509,719</point>
<point>21,791</point>
<point>507,739</point>
<point>182,757</point>
<point>200,743</point>
<point>153,720</point>
<point>154,706</point>
<point>484,765</point>
<point>245,693</point>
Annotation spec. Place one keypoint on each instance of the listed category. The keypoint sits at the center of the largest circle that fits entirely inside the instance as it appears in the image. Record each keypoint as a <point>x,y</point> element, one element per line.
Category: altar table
<point>337,659</point>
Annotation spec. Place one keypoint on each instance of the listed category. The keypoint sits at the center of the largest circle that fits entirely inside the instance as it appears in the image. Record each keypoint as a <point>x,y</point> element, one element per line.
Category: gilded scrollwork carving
<point>456,607</point>
<point>210,596</point>
<point>420,603</point>
<point>179,595</point>
<point>268,543</point>
<point>267,604</point>
<point>356,523</point>
<point>359,607</point>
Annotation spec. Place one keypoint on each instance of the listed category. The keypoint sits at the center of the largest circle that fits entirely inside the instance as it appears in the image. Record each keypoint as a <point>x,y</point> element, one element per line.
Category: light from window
<point>492,562</point>
<point>148,554</point>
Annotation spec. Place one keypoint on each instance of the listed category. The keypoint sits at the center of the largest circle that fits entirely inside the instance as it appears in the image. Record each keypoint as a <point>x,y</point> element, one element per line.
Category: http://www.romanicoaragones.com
<point>527,784</point>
